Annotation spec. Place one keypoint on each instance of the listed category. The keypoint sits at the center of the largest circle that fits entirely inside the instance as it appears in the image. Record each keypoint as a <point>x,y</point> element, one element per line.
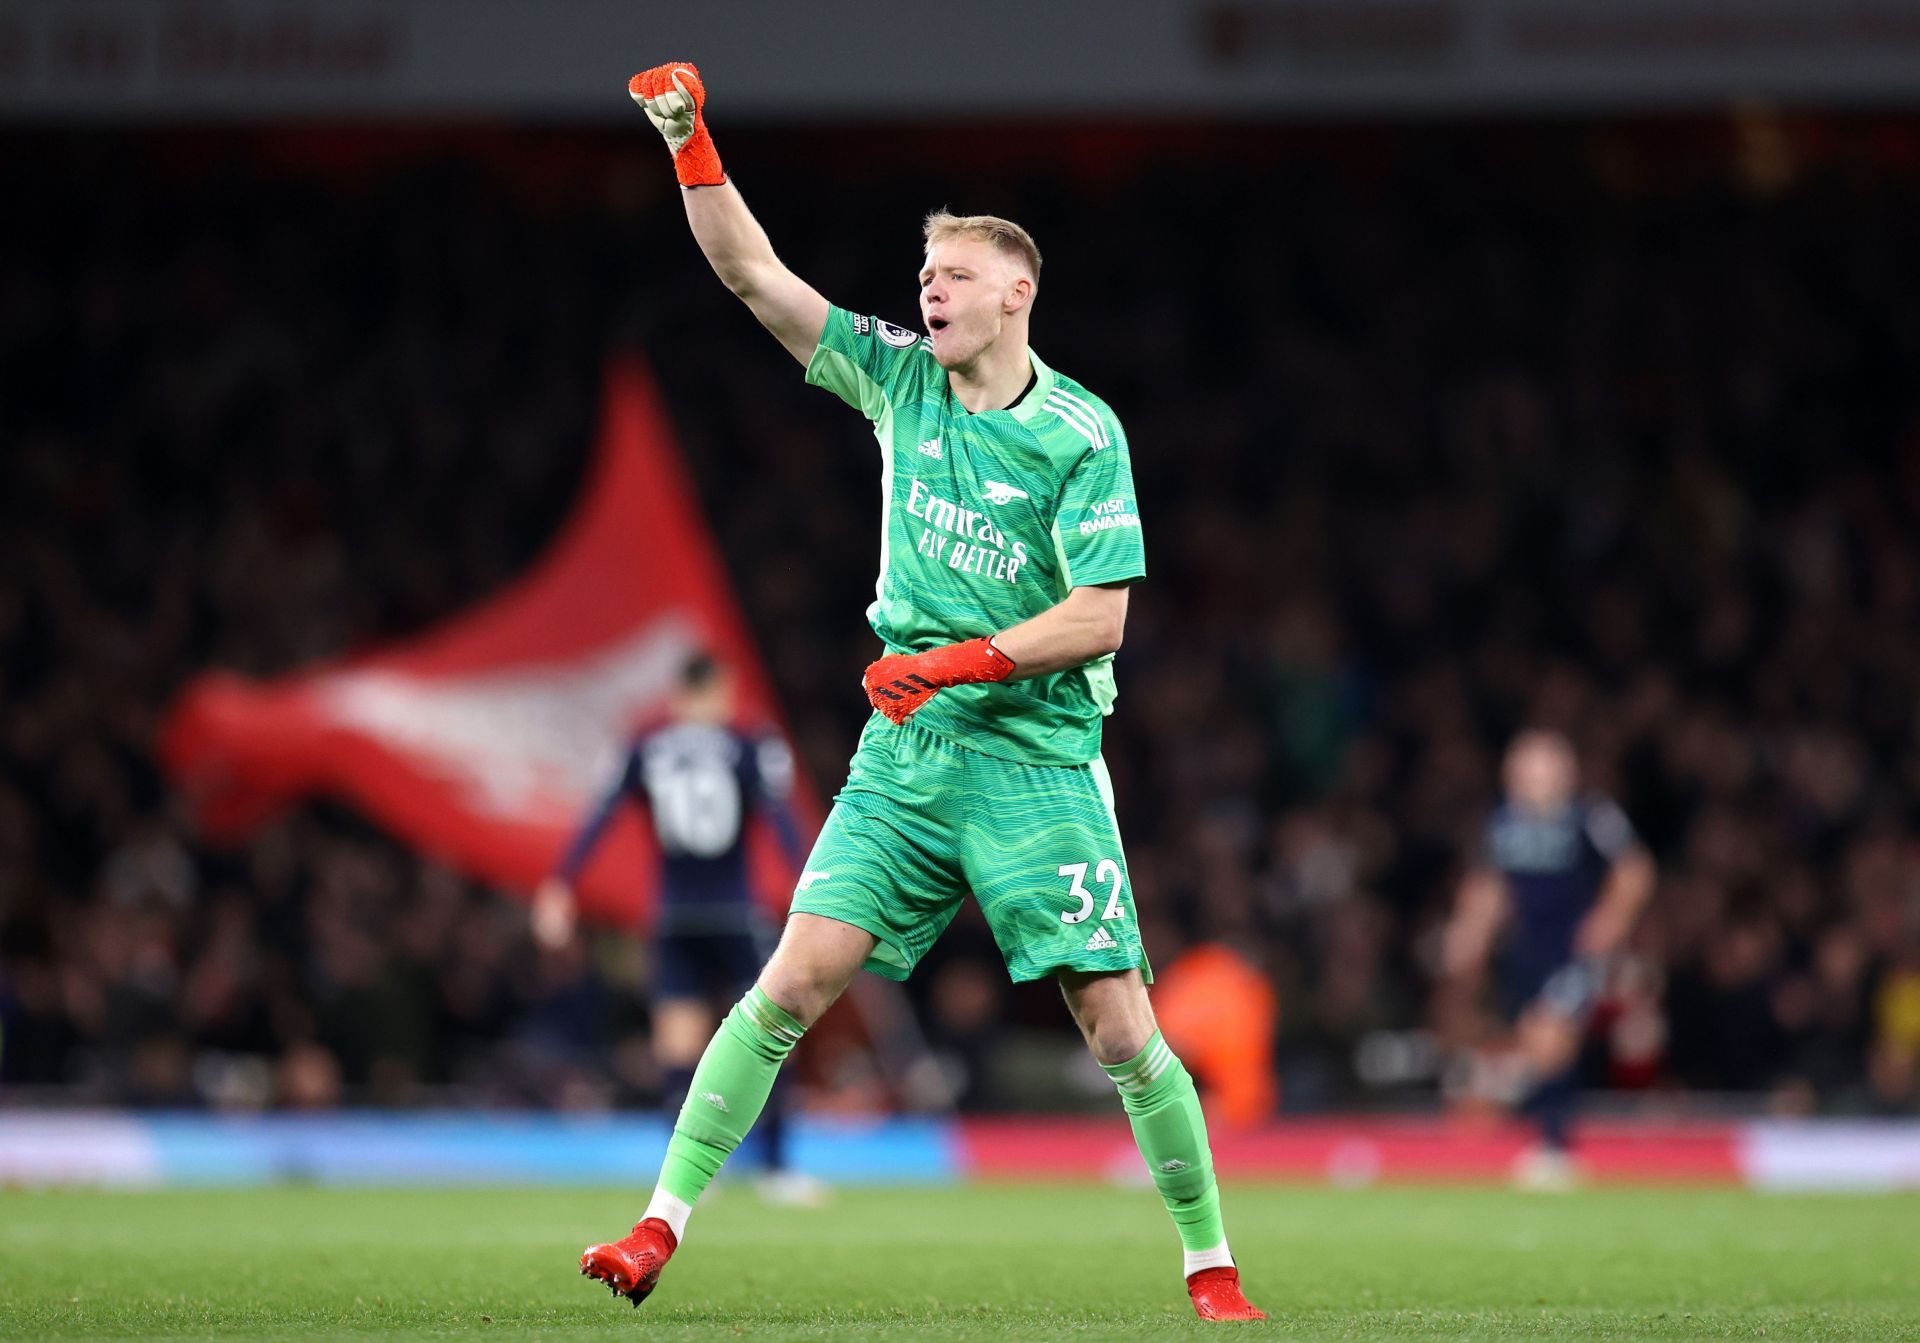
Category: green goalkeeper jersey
<point>987,520</point>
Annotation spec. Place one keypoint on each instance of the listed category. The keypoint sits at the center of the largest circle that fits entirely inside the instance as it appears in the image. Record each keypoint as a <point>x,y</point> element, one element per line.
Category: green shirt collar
<point>1027,406</point>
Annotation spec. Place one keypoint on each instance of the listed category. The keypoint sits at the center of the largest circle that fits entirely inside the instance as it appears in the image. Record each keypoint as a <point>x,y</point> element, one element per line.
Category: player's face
<point>709,703</point>
<point>968,289</point>
<point>1540,771</point>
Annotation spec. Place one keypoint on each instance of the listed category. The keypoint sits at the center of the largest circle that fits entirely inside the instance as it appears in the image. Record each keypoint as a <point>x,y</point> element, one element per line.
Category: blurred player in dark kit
<point>701,779</point>
<point>1558,883</point>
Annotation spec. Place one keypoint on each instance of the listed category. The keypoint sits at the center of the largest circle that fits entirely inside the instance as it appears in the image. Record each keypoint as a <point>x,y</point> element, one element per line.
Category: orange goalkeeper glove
<point>672,95</point>
<point>900,683</point>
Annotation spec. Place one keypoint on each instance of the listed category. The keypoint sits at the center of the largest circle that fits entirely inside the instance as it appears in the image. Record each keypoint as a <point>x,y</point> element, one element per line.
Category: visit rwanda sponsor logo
<point>1107,516</point>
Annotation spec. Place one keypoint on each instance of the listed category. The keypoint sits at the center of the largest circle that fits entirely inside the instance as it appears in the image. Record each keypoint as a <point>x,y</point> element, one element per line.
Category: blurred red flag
<point>483,741</point>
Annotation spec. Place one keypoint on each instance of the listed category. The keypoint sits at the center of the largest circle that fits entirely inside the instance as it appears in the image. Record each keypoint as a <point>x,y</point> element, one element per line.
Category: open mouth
<point>936,324</point>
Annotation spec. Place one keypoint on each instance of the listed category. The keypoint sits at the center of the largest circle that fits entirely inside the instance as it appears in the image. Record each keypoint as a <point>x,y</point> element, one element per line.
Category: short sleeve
<point>1609,830</point>
<point>773,762</point>
<point>1099,519</point>
<point>868,363</point>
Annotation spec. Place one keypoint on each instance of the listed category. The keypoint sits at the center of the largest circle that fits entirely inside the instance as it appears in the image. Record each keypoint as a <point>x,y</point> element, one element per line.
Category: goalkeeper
<point>1009,539</point>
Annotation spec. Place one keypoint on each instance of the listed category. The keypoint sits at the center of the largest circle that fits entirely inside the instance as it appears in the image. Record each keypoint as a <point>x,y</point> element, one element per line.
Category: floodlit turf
<point>997,1262</point>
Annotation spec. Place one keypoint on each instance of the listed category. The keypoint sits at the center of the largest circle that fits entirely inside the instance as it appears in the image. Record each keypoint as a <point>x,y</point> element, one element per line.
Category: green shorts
<point>923,821</point>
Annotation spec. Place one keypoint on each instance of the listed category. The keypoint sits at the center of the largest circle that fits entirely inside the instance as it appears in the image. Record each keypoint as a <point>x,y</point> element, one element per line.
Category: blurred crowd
<point>1437,432</point>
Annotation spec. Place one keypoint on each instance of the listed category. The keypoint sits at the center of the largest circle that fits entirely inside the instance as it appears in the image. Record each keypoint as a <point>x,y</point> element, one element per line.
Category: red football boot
<point>1217,1296</point>
<point>631,1265</point>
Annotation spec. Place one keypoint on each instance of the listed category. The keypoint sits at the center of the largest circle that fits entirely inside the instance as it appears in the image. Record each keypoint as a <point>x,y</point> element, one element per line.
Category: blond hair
<point>1004,234</point>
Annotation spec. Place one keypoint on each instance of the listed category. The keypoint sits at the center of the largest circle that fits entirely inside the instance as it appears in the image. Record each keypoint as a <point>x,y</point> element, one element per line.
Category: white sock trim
<point>675,1213</point>
<point>1196,1260</point>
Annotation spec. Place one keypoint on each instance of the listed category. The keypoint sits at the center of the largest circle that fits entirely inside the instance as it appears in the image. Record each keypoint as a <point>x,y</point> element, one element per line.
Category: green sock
<point>1167,1124</point>
<point>729,1090</point>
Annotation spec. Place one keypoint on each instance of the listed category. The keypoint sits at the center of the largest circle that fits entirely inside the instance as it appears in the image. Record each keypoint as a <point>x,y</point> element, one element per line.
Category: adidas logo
<point>1102,940</point>
<point>808,878</point>
<point>1169,1167</point>
<point>931,448</point>
<point>998,493</point>
<point>716,1100</point>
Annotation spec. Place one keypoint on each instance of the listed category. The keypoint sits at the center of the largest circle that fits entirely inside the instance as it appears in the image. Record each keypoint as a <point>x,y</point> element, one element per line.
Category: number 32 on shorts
<point>1106,873</point>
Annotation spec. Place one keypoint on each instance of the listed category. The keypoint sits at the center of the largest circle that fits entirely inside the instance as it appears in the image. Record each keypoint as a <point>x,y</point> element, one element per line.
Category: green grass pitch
<point>995,1262</point>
